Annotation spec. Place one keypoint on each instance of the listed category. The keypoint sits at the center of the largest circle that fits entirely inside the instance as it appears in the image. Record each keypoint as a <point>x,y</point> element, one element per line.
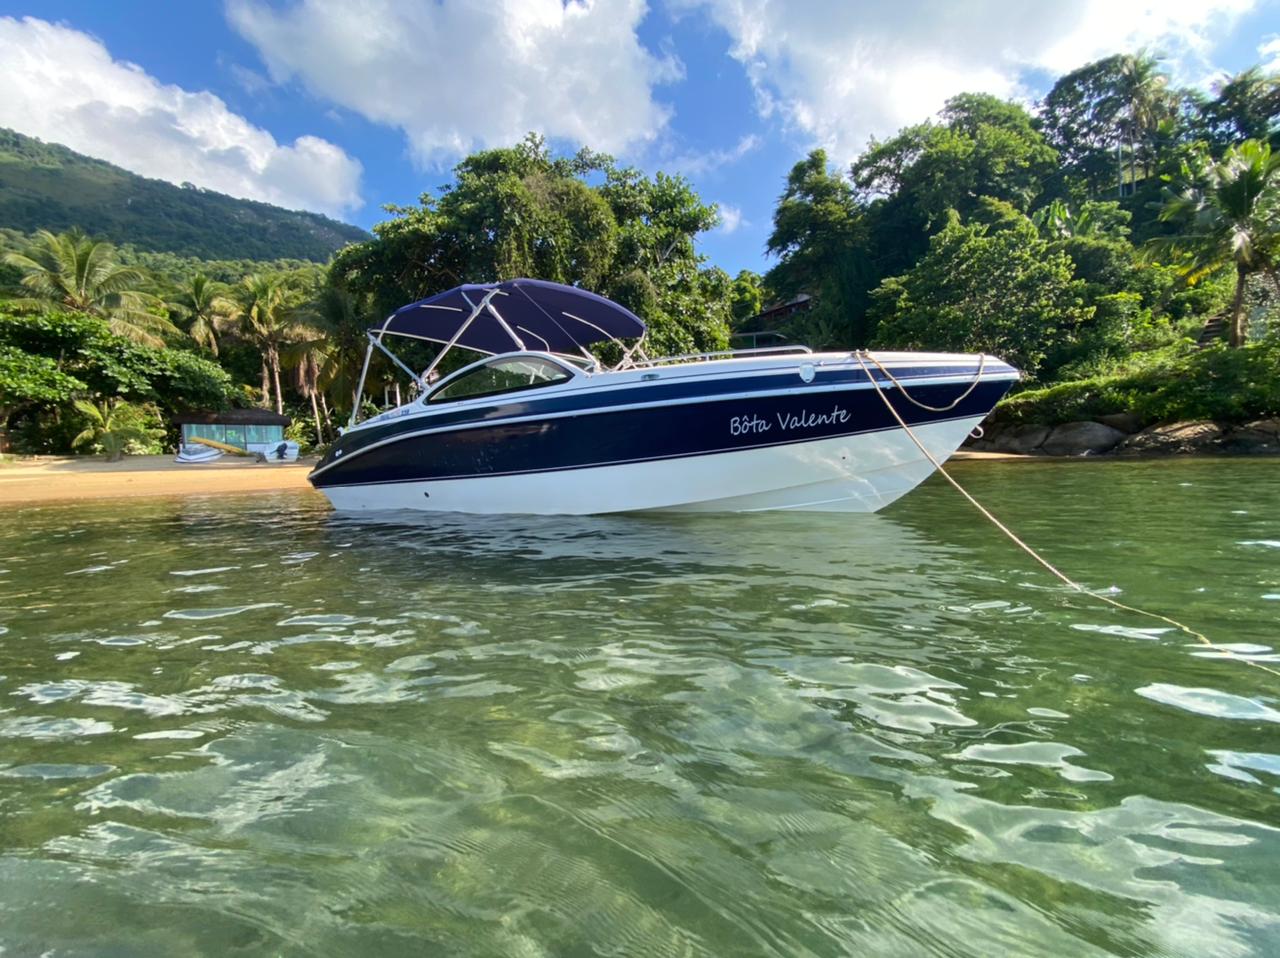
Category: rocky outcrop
<point>1120,434</point>
<point>1019,440</point>
<point>1177,437</point>
<point>1127,422</point>
<point>1261,436</point>
<point>1081,439</point>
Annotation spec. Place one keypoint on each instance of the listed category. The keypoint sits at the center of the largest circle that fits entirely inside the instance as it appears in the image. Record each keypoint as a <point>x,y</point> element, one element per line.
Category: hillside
<point>47,186</point>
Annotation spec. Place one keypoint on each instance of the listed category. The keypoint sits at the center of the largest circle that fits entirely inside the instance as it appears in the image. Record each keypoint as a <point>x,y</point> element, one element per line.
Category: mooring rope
<point>977,378</point>
<point>1199,636</point>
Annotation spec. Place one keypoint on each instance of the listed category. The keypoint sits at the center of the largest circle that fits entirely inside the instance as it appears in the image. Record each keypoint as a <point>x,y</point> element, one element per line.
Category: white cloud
<point>730,218</point>
<point>1269,50</point>
<point>840,71</point>
<point>699,164</point>
<point>63,86</point>
<point>455,76</point>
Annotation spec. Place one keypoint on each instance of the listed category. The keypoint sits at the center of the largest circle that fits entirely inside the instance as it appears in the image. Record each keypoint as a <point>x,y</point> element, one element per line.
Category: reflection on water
<point>249,726</point>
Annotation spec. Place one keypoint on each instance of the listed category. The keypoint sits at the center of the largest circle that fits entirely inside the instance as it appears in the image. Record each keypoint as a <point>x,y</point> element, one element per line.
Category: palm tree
<point>82,275</point>
<point>1144,101</point>
<point>306,360</point>
<point>268,322</point>
<point>1229,214</point>
<point>203,309</point>
<point>1245,107</point>
<point>112,425</point>
<point>337,322</point>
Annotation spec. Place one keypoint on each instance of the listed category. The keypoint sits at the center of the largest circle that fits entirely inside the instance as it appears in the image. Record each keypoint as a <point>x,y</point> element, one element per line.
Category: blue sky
<point>342,106</point>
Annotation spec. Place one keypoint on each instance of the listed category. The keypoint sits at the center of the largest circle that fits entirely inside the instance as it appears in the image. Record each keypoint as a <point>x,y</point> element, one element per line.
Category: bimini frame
<point>485,305</point>
<point>633,356</point>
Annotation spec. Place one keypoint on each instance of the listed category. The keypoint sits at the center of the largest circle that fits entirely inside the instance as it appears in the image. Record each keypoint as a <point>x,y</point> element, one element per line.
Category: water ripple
<point>755,735</point>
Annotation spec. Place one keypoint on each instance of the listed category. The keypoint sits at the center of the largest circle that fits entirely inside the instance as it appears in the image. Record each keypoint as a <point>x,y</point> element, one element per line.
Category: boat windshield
<point>501,376</point>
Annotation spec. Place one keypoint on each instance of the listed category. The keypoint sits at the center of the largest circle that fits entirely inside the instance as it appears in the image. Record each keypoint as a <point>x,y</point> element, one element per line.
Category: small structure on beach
<point>253,430</point>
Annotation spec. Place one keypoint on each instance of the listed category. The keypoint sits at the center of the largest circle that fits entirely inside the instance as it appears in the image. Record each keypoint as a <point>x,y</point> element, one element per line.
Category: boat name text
<point>786,421</point>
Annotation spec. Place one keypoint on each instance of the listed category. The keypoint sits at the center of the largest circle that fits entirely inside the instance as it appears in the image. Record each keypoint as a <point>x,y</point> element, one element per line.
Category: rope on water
<point>862,355</point>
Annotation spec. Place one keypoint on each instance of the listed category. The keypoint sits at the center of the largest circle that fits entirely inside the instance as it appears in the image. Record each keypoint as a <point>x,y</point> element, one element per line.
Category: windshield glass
<point>501,376</point>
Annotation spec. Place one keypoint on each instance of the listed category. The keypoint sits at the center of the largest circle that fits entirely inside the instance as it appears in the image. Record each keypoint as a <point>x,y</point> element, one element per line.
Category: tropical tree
<point>1246,107</point>
<point>1091,114</point>
<point>746,296</point>
<point>81,274</point>
<point>202,308</point>
<point>1227,213</point>
<point>819,237</point>
<point>268,321</point>
<point>998,290</point>
<point>582,220</point>
<point>113,424</point>
<point>1142,89</point>
<point>27,380</point>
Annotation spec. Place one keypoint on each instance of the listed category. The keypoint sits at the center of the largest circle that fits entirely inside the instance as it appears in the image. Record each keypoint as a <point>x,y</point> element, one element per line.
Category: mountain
<point>47,186</point>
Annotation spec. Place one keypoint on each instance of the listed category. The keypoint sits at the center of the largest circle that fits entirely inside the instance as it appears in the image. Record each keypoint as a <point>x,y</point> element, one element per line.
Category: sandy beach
<point>55,478</point>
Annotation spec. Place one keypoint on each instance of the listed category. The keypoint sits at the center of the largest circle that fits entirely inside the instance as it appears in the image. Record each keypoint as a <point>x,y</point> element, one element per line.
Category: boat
<point>540,424</point>
<point>284,451</point>
<point>197,452</point>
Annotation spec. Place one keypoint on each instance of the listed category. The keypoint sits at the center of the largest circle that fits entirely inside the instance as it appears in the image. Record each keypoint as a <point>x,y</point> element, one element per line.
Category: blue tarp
<point>546,316</point>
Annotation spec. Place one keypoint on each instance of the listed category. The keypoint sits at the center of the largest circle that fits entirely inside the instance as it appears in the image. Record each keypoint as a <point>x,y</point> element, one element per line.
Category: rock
<point>1178,437</point>
<point>1018,439</point>
<point>1261,436</point>
<point>1126,422</point>
<point>1269,426</point>
<point>1081,439</point>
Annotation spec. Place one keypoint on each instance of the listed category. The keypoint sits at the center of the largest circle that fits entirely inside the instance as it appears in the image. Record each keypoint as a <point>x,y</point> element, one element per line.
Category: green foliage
<point>1228,215</point>
<point>1228,385</point>
<point>106,365</point>
<point>1247,107</point>
<point>115,427</point>
<point>985,147</point>
<point>520,211</point>
<point>1004,292</point>
<point>46,186</point>
<point>1109,120</point>
<point>80,274</point>
<point>330,351</point>
<point>837,238</point>
<point>746,296</point>
<point>204,310</point>
<point>267,309</point>
<point>302,431</point>
<point>819,237</point>
<point>31,380</point>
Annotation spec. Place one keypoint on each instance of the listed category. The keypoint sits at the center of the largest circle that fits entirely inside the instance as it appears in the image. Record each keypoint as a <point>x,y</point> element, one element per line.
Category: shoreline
<point>36,480</point>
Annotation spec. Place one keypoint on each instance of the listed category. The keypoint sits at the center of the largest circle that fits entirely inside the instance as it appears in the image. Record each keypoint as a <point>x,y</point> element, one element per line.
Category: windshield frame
<point>571,373</point>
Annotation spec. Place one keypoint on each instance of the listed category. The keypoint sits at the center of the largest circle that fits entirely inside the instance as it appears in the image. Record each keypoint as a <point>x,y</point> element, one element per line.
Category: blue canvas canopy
<point>516,314</point>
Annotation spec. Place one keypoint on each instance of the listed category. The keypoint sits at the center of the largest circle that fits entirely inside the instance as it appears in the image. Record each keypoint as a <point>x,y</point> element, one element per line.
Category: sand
<point>38,479</point>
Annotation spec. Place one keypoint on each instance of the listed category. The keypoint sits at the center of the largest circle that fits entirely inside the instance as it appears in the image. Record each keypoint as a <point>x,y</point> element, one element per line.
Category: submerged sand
<point>52,478</point>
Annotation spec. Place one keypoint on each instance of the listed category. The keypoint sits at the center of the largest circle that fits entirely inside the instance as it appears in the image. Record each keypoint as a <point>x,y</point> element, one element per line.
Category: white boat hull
<point>858,473</point>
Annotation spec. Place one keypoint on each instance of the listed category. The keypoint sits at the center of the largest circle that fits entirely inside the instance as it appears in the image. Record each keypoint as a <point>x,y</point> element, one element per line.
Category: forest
<point>1119,241</point>
<point>47,186</point>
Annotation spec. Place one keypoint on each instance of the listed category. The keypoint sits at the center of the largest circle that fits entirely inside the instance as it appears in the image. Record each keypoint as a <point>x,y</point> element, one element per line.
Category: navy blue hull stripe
<point>597,401</point>
<point>620,462</point>
<point>650,433</point>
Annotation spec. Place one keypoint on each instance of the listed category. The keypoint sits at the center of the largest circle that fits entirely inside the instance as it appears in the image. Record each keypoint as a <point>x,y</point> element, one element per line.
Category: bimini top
<point>516,314</point>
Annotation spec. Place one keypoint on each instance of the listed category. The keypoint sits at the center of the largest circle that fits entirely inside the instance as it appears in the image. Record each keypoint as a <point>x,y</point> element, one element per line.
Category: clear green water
<point>246,726</point>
